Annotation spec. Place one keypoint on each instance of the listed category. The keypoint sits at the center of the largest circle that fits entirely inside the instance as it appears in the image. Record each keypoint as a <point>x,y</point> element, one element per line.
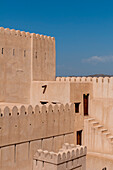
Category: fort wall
<point>43,58</point>
<point>100,161</point>
<point>24,130</point>
<point>70,157</point>
<point>55,92</point>
<point>101,97</point>
<point>14,70</point>
<point>60,92</point>
<point>101,106</point>
<point>24,57</point>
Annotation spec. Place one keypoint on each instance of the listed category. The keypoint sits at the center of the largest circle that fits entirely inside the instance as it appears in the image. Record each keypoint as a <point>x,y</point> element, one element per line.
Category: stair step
<point>110,137</point>
<point>95,123</point>
<point>101,128</point>
<point>91,119</point>
<point>98,126</point>
<point>104,130</point>
<point>107,134</point>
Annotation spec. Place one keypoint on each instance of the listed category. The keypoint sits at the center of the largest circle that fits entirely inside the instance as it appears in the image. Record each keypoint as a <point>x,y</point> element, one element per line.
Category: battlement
<point>49,108</point>
<point>22,124</point>
<point>13,32</point>
<point>86,79</point>
<point>67,153</point>
<point>69,157</point>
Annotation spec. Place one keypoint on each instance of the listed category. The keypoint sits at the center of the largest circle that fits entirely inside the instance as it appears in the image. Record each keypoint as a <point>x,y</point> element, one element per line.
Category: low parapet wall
<point>14,32</point>
<point>70,157</point>
<point>26,124</point>
<point>86,79</point>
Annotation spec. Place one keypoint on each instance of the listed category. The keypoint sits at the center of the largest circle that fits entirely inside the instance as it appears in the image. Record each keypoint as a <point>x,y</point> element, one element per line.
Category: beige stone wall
<point>43,58</point>
<point>24,57</point>
<point>70,157</point>
<point>100,99</point>
<point>15,72</point>
<point>20,125</point>
<point>55,92</point>
<point>98,134</point>
<point>62,92</point>
<point>24,130</point>
<point>97,161</point>
<point>101,106</point>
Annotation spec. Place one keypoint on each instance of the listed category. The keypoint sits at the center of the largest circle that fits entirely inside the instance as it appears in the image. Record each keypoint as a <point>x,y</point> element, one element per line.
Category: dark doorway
<point>85,100</point>
<point>77,107</point>
<point>79,137</point>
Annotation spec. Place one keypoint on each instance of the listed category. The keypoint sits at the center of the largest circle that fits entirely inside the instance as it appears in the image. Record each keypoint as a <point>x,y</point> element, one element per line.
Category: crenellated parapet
<point>18,33</point>
<point>29,123</point>
<point>74,79</point>
<point>26,110</point>
<point>86,79</point>
<point>69,157</point>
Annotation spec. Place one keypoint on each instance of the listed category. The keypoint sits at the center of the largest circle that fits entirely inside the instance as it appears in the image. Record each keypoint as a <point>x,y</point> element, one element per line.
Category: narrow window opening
<point>79,137</point>
<point>45,55</point>
<point>14,153</point>
<point>77,107</point>
<point>66,165</point>
<point>36,55</point>
<point>104,168</point>
<point>2,51</point>
<point>24,53</point>
<point>85,102</point>
<point>13,52</point>
<point>41,143</point>
<point>29,149</point>
<point>43,164</point>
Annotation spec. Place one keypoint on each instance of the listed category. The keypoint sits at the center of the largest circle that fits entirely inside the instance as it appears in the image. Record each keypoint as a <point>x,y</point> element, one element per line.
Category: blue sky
<point>83,30</point>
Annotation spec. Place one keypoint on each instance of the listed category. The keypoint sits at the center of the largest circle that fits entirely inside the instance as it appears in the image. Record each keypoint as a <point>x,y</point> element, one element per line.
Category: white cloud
<point>99,59</point>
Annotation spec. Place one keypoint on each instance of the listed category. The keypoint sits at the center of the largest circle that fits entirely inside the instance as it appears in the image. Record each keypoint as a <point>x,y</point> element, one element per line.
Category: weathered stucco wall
<point>69,157</point>
<point>54,92</point>
<point>24,57</point>
<point>101,96</point>
<point>97,161</point>
<point>98,133</point>
<point>15,70</point>
<point>24,130</point>
<point>102,103</point>
<point>43,58</point>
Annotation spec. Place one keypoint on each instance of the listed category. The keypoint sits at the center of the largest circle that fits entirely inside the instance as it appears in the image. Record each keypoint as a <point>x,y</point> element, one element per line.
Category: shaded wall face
<point>102,101</point>
<point>15,72</point>
<point>43,64</point>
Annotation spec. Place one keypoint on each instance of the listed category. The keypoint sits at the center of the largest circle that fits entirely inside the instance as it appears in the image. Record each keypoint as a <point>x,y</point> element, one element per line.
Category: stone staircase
<point>96,137</point>
<point>101,128</point>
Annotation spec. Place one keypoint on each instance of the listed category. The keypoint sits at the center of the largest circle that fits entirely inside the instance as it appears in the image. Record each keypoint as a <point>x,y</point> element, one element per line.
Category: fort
<point>41,113</point>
